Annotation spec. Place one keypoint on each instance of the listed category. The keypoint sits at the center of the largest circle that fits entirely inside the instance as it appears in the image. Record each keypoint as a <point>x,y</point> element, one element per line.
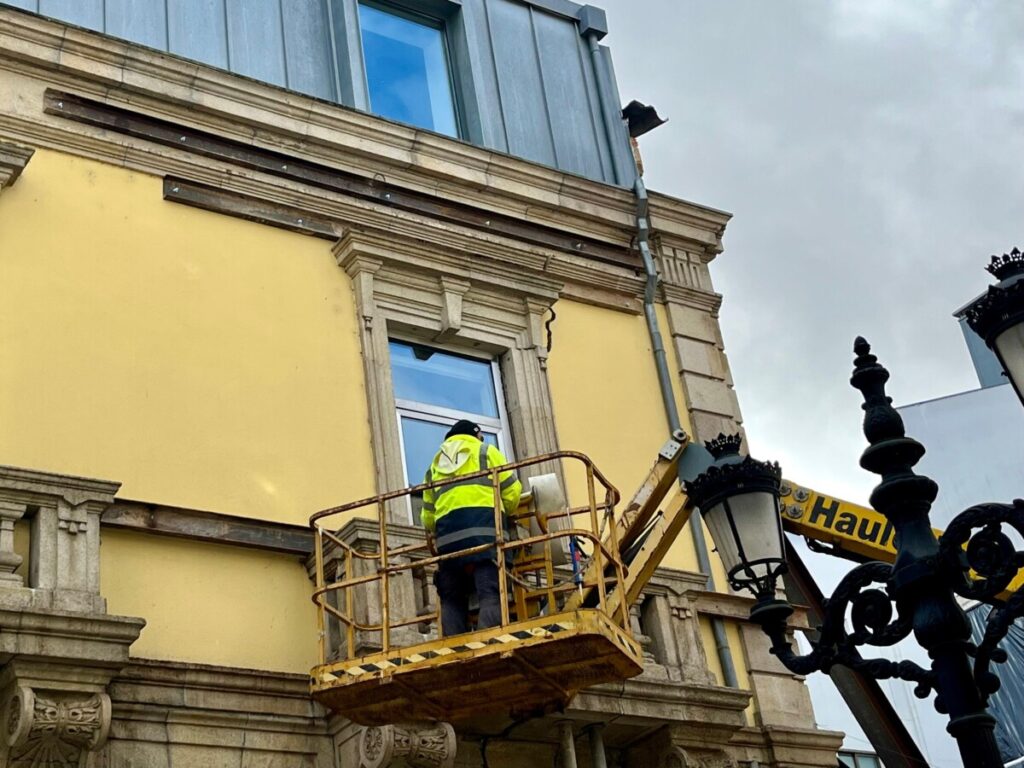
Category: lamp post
<point>998,316</point>
<point>883,603</point>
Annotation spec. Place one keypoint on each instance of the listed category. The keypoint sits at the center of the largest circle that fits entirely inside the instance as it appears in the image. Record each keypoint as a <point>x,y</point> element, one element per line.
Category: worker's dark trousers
<point>455,583</point>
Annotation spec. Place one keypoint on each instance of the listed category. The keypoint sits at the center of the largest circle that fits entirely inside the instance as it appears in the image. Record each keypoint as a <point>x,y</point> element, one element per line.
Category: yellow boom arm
<point>849,527</point>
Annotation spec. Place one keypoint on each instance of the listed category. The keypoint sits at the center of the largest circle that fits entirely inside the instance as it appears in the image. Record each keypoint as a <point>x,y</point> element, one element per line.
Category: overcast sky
<point>871,153</point>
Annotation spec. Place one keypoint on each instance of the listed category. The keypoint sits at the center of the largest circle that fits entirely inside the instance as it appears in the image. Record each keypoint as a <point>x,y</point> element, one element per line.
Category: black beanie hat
<point>463,427</point>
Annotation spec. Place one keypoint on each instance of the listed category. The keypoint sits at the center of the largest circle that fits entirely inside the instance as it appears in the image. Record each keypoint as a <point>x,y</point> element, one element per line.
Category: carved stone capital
<point>54,729</point>
<point>679,757</point>
<point>422,745</point>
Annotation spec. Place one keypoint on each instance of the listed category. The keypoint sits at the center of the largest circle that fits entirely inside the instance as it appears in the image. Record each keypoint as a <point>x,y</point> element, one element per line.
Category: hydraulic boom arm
<point>647,528</point>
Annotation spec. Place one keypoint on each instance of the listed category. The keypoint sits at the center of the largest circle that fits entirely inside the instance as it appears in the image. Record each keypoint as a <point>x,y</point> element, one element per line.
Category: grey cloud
<point>870,152</point>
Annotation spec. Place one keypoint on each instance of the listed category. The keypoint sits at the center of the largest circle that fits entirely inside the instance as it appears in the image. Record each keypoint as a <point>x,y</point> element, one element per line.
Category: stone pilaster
<point>692,307</point>
<point>59,648</point>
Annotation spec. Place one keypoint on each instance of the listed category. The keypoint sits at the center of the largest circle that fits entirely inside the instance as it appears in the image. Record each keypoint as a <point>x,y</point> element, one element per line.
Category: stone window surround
<point>418,291</point>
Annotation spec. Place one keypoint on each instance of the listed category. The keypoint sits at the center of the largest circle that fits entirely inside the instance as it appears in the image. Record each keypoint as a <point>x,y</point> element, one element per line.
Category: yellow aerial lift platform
<point>544,650</point>
<point>564,626</point>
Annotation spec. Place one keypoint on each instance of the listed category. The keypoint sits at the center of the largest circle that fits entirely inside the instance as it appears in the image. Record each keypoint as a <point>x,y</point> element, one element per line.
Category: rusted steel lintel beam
<point>246,207</point>
<point>128,122</point>
<point>210,527</point>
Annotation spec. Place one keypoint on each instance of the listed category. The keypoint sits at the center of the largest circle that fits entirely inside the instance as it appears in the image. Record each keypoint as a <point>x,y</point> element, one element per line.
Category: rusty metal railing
<point>603,554</point>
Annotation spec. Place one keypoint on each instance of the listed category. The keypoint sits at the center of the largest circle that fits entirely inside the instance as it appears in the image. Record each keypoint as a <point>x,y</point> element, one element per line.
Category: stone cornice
<point>185,92</point>
<point>666,580</point>
<point>706,301</point>
<point>31,484</point>
<point>802,737</point>
<point>53,627</point>
<point>737,607</point>
<point>13,160</point>
<point>461,257</point>
<point>671,700</point>
<point>680,223</point>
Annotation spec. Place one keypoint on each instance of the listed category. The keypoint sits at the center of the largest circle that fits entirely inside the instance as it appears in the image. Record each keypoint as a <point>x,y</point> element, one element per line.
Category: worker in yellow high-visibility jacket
<point>460,515</point>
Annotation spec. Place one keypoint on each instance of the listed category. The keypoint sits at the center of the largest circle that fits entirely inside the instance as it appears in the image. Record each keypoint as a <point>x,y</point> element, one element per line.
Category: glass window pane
<point>421,440</point>
<point>846,760</point>
<point>407,70</point>
<point>867,761</point>
<point>428,376</point>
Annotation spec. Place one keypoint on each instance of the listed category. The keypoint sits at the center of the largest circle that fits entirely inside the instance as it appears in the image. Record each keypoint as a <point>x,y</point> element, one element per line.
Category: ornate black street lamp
<point>998,316</point>
<point>883,603</point>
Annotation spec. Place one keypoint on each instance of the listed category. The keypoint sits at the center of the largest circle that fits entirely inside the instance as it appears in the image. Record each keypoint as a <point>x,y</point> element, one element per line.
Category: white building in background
<point>975,452</point>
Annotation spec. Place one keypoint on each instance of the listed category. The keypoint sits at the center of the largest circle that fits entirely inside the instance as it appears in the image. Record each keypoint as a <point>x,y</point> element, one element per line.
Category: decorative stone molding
<point>46,730</point>
<point>40,53</point>
<point>10,513</point>
<point>54,677</point>
<point>58,648</point>
<point>785,746</point>
<point>684,746</point>
<point>422,745</point>
<point>191,93</point>
<point>407,287</point>
<point>64,512</point>
<point>172,714</point>
<point>13,160</point>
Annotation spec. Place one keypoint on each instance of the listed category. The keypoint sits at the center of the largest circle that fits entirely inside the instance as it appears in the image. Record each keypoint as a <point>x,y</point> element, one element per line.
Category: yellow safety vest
<point>461,512</point>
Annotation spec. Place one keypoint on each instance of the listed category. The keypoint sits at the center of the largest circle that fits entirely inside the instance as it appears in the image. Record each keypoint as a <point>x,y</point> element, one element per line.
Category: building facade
<point>231,237</point>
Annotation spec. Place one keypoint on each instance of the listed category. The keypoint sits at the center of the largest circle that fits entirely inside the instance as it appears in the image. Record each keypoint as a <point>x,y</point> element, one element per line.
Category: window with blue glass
<point>434,389</point>
<point>407,69</point>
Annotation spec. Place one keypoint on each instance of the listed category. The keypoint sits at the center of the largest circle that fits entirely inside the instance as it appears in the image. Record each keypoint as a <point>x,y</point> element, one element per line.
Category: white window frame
<point>439,415</point>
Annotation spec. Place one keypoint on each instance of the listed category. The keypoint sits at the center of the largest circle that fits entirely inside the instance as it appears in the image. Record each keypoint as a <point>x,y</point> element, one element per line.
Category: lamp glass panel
<point>756,518</point>
<point>721,533</point>
<point>1010,346</point>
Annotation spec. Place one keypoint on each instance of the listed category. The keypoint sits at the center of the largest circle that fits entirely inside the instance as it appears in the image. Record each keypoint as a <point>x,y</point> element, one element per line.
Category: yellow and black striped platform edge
<point>412,658</point>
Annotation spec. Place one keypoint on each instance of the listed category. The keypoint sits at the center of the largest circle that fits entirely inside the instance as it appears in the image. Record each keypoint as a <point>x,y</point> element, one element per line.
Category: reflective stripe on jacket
<point>461,512</point>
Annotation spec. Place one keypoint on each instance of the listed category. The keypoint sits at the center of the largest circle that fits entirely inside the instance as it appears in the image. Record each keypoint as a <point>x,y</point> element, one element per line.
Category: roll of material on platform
<point>548,499</point>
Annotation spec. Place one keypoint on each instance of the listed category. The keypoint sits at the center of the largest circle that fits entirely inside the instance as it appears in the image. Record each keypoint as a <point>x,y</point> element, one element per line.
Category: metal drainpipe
<point>610,113</point>
<point>643,231</point>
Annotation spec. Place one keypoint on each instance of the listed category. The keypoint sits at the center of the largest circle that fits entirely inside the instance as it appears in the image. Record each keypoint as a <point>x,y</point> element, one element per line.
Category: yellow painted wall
<point>212,363</point>
<point>211,603</point>
<point>201,360</point>
<point>606,399</point>
<point>608,405</point>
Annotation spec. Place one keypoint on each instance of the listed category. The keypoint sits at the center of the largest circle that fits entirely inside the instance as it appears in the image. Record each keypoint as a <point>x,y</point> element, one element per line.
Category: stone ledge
<point>796,747</point>
<point>734,606</point>
<point>647,702</point>
<point>31,484</point>
<point>13,160</point>
<point>173,713</point>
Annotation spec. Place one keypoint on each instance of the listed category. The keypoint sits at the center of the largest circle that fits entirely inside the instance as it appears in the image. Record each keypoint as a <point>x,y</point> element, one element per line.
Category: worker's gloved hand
<point>432,544</point>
